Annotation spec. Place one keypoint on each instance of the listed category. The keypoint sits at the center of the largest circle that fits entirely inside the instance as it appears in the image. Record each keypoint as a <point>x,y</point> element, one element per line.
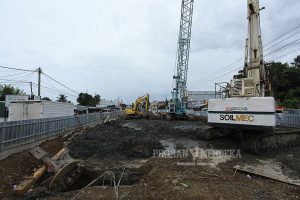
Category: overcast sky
<point>127,48</point>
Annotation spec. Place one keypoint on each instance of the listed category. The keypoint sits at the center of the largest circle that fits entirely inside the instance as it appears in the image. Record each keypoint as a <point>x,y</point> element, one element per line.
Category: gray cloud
<point>127,48</point>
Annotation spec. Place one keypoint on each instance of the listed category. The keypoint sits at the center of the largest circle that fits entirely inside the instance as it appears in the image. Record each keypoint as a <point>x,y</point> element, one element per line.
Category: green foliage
<point>62,98</point>
<point>297,61</point>
<point>46,99</point>
<point>241,74</point>
<point>85,99</point>
<point>286,83</point>
<point>9,90</point>
<point>285,80</point>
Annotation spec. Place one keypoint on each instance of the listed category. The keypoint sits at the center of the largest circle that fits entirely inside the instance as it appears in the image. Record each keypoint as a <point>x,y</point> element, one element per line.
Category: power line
<point>240,67</point>
<point>282,41</point>
<point>286,54</point>
<point>53,90</point>
<point>13,74</point>
<point>19,69</point>
<point>51,85</point>
<point>241,60</point>
<point>60,83</point>
<point>277,50</point>
<point>282,35</point>
<point>283,47</point>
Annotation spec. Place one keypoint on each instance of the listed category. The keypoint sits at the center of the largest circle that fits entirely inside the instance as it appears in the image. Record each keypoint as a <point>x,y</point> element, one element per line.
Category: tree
<point>241,74</point>
<point>85,99</point>
<point>62,98</point>
<point>9,90</point>
<point>297,61</point>
<point>285,80</point>
<point>46,99</point>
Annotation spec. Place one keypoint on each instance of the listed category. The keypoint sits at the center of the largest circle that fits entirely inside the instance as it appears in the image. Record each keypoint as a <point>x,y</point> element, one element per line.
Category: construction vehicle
<point>139,109</point>
<point>177,108</point>
<point>248,109</point>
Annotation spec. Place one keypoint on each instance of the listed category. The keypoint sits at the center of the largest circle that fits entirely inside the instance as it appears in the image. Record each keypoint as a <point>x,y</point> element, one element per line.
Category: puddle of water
<point>187,127</point>
<point>135,163</point>
<point>131,125</point>
<point>194,149</point>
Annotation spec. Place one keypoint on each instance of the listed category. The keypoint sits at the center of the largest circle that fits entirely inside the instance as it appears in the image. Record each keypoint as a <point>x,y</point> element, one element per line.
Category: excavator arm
<point>134,111</point>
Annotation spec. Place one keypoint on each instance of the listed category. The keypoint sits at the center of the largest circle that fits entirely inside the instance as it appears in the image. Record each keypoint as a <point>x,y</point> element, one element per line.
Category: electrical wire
<point>60,83</point>
<point>13,74</point>
<point>62,91</point>
<point>282,41</point>
<point>291,30</point>
<point>224,69</point>
<point>19,69</point>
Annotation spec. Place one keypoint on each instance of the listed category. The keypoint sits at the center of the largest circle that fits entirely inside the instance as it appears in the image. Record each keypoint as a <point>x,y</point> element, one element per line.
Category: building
<point>36,109</point>
<point>197,99</point>
<point>109,103</point>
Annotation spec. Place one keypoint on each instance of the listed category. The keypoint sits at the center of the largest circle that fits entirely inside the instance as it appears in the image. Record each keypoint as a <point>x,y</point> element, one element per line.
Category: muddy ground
<point>134,152</point>
<point>15,167</point>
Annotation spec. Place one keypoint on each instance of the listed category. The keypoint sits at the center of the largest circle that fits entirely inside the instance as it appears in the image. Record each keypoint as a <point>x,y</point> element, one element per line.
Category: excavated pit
<point>129,144</point>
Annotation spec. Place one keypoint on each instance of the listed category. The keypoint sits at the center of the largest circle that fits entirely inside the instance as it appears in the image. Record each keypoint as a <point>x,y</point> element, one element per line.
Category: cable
<point>60,83</point>
<point>62,91</point>
<point>240,67</point>
<point>283,47</point>
<point>286,54</point>
<point>57,91</point>
<point>282,41</point>
<point>241,60</point>
<point>218,72</point>
<point>25,70</point>
<point>13,74</point>
<point>268,43</point>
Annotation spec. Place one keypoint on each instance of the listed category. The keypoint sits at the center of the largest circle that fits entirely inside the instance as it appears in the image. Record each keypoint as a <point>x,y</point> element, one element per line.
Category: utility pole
<point>39,81</point>
<point>31,94</point>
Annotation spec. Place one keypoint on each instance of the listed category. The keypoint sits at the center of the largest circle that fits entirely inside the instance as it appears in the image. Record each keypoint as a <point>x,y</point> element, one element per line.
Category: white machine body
<point>256,112</point>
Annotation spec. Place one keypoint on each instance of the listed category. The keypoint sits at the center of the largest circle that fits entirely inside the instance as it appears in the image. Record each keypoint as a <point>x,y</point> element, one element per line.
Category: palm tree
<point>62,98</point>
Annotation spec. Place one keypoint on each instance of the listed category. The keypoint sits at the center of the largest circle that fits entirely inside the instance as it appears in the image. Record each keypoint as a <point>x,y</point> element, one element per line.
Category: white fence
<point>16,133</point>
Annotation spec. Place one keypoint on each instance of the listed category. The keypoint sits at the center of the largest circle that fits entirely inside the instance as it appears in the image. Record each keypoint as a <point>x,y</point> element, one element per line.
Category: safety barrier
<point>16,133</point>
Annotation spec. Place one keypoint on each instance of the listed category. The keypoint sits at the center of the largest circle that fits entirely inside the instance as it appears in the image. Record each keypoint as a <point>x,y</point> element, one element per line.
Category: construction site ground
<point>127,159</point>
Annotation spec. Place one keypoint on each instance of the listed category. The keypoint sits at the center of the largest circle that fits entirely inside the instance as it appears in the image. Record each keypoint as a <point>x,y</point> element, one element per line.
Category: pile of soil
<point>133,139</point>
<point>114,141</point>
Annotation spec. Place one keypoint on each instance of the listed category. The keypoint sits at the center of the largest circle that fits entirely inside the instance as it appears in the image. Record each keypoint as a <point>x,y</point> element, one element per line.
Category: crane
<point>179,98</point>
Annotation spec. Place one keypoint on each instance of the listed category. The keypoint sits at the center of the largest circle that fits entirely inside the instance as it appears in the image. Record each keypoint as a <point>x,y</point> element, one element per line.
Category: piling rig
<point>249,109</point>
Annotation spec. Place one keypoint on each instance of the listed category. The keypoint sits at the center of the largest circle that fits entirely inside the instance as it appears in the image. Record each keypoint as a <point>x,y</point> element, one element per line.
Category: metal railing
<point>291,120</point>
<point>16,133</point>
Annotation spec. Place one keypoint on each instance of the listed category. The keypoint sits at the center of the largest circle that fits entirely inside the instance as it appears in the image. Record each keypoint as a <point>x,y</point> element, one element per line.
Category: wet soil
<point>16,166</point>
<point>126,148</point>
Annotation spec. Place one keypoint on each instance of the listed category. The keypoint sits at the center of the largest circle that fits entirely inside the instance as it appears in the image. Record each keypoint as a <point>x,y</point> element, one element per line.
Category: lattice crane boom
<point>182,59</point>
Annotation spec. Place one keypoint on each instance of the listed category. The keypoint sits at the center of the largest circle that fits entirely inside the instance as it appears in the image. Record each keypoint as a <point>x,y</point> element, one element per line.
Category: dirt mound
<point>114,141</point>
<point>132,139</point>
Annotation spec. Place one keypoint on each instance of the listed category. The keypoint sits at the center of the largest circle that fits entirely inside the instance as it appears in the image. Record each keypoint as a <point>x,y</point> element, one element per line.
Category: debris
<point>184,185</point>
<point>26,184</point>
<point>248,176</point>
<point>269,169</point>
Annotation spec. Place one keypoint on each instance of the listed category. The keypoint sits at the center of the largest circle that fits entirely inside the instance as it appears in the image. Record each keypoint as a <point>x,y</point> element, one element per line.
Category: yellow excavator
<point>137,111</point>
